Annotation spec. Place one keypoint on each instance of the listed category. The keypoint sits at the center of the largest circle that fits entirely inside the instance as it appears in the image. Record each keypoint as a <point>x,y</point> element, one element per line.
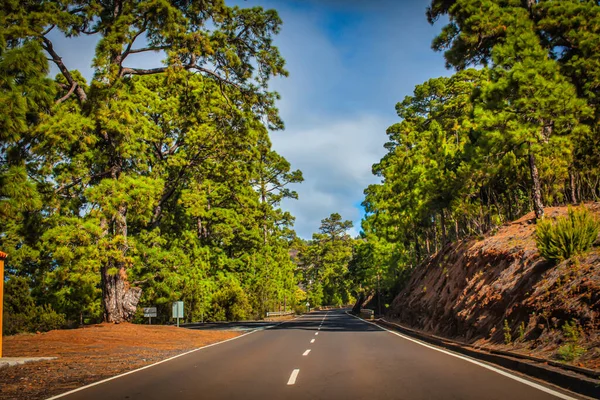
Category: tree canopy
<point>144,185</point>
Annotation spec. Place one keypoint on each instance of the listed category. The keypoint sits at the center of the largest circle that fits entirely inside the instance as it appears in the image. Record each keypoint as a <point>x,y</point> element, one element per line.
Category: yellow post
<point>2,257</point>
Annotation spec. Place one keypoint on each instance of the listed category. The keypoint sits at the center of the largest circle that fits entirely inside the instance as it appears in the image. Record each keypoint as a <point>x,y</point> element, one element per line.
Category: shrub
<point>522,331</point>
<point>507,335</point>
<point>47,319</point>
<point>570,351</point>
<point>21,314</point>
<point>300,308</point>
<point>230,302</point>
<point>567,236</point>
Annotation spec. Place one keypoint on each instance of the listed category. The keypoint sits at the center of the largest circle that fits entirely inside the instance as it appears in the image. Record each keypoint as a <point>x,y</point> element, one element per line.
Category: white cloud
<point>335,158</point>
<point>333,147</point>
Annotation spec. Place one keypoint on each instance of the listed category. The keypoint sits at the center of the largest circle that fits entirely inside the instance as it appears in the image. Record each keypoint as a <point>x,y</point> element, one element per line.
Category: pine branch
<point>79,180</point>
<point>69,93</point>
<point>47,45</point>
<point>152,71</point>
<point>151,48</point>
<point>128,50</point>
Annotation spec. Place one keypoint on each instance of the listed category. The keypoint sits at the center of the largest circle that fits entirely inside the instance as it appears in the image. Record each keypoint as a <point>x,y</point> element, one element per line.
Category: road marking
<point>499,371</point>
<point>147,366</point>
<point>312,341</point>
<point>316,333</point>
<point>306,352</point>
<point>293,377</point>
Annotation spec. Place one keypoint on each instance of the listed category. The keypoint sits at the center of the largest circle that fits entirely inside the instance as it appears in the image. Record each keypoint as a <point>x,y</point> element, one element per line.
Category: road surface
<point>232,326</point>
<point>323,355</point>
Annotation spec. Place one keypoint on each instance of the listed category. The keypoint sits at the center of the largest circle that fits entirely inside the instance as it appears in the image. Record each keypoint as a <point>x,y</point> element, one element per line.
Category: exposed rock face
<point>468,289</point>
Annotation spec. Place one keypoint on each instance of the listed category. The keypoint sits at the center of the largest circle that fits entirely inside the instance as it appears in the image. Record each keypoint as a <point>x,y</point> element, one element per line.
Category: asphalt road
<point>232,326</point>
<point>323,355</point>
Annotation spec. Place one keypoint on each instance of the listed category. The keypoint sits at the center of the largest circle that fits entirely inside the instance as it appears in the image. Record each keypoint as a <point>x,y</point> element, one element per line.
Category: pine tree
<point>136,149</point>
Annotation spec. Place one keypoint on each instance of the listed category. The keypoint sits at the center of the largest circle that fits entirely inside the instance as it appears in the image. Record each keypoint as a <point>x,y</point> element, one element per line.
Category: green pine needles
<point>570,235</point>
<point>570,350</point>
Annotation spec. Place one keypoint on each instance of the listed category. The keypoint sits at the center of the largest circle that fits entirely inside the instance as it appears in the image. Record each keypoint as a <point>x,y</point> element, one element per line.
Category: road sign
<point>178,310</point>
<point>150,312</point>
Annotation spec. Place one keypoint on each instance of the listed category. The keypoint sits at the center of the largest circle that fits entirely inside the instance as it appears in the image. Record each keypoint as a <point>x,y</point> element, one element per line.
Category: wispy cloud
<point>349,64</point>
<point>336,158</point>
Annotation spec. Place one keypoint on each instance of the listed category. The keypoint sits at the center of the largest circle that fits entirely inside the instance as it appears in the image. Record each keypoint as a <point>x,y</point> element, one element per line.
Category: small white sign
<point>150,312</point>
<point>178,309</point>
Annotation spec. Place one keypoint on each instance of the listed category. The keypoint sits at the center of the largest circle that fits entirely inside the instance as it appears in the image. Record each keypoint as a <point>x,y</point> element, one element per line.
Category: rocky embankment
<point>500,292</point>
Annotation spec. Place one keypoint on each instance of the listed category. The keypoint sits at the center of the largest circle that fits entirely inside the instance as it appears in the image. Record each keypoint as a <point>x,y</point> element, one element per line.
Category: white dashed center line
<point>306,352</point>
<point>312,341</point>
<point>293,377</point>
<point>316,333</point>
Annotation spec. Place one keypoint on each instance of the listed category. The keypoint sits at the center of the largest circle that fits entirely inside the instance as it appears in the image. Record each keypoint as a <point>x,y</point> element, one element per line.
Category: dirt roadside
<point>499,292</point>
<point>90,354</point>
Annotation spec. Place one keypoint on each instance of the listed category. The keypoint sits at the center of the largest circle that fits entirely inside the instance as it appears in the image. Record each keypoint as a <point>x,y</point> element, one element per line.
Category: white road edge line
<point>306,352</point>
<point>499,371</point>
<point>293,377</point>
<point>312,341</point>
<point>147,366</point>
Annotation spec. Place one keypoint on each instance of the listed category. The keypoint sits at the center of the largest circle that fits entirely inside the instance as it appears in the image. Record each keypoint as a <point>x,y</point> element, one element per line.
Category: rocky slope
<point>499,291</point>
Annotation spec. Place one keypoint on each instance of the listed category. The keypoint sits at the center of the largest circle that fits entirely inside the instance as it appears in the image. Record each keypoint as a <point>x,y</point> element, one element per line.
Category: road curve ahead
<point>323,355</point>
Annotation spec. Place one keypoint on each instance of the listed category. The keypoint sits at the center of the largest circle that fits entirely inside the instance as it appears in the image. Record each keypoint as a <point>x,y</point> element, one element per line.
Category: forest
<point>513,129</point>
<point>146,186</point>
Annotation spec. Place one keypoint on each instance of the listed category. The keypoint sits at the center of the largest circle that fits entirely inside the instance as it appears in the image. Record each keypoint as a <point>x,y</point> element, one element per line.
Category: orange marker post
<point>2,257</point>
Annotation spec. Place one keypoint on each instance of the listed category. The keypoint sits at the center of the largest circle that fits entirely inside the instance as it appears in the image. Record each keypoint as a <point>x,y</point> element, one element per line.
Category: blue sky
<point>350,62</point>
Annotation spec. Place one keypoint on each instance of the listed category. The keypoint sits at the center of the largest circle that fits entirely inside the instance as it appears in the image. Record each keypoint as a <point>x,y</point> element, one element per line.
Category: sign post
<point>150,312</point>
<point>307,306</point>
<point>178,311</point>
<point>2,258</point>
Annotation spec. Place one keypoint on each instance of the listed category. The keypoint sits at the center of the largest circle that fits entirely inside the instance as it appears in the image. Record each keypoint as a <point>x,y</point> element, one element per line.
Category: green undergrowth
<point>568,236</point>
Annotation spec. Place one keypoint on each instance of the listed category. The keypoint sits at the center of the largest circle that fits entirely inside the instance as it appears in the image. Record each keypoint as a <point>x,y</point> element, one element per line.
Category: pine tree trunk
<point>456,228</point>
<point>436,239</point>
<point>443,224</point>
<point>481,220</point>
<point>417,248</point>
<point>118,298</point>
<point>572,186</point>
<point>536,190</point>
